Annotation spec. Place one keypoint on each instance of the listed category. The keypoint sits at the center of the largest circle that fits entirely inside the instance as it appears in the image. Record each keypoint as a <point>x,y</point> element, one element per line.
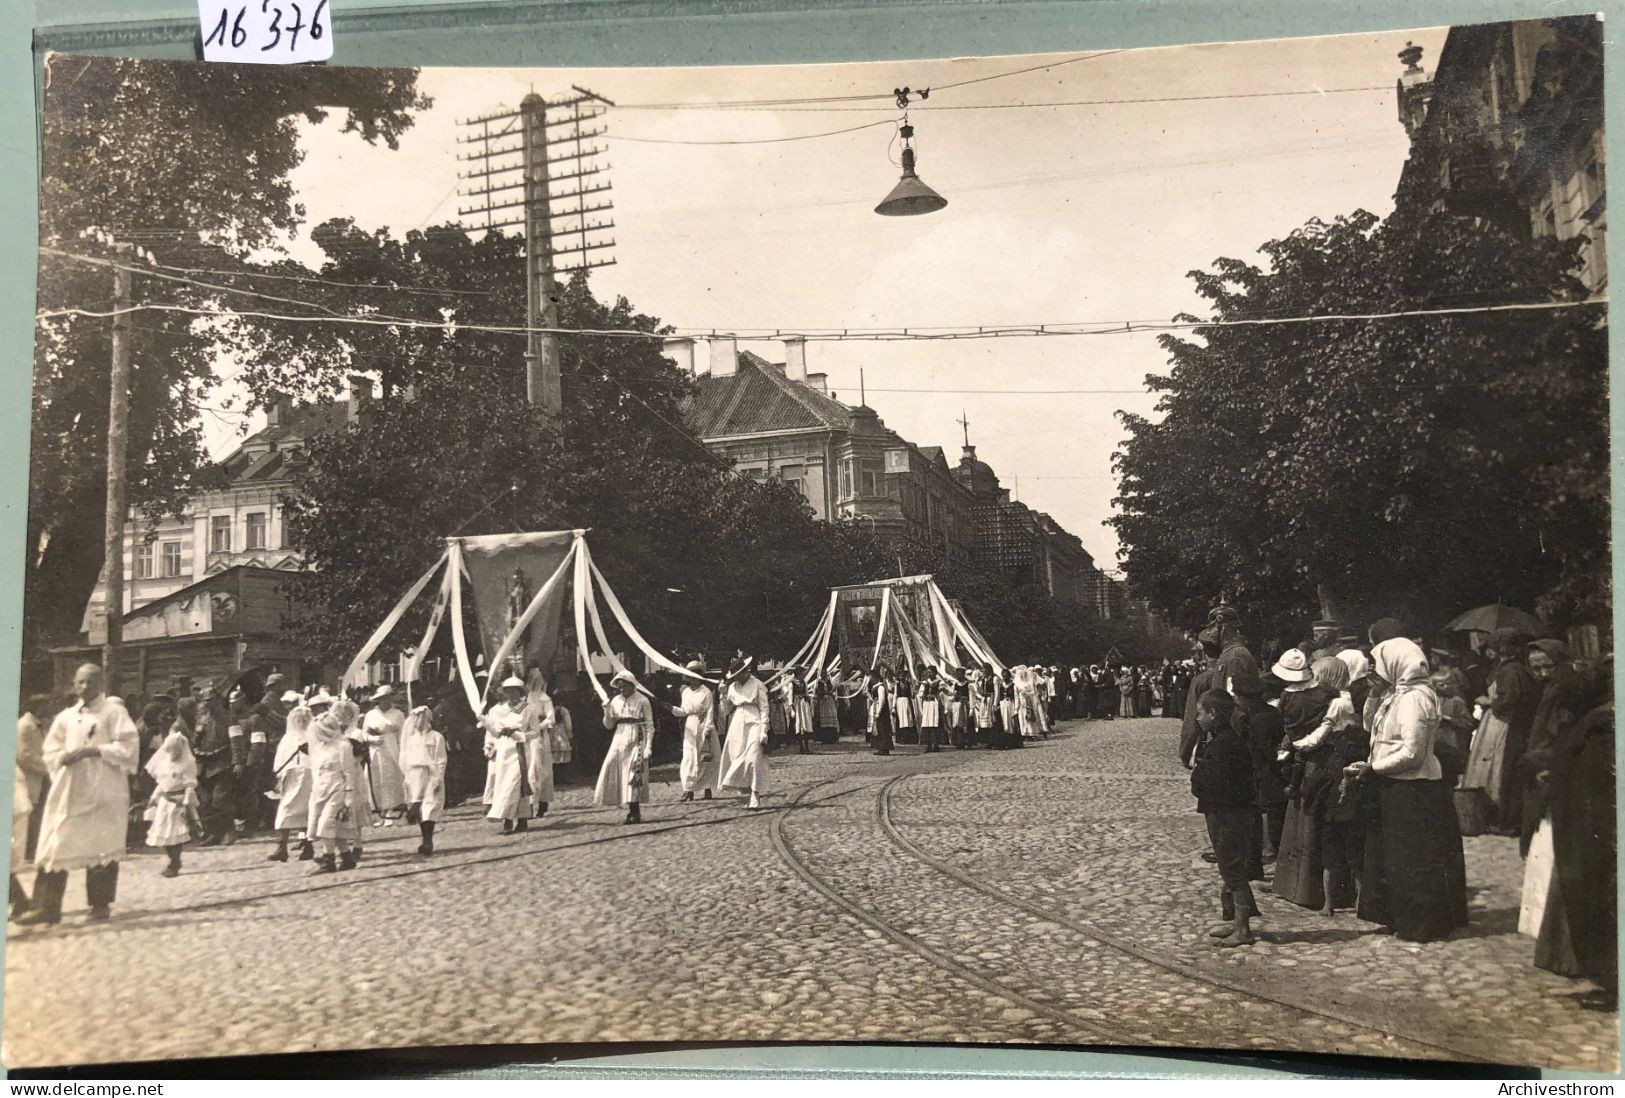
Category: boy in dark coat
<point>1259,723</point>
<point>1222,780</point>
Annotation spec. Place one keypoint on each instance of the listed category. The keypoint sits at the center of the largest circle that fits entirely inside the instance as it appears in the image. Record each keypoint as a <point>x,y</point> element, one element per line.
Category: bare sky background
<point>1056,214</point>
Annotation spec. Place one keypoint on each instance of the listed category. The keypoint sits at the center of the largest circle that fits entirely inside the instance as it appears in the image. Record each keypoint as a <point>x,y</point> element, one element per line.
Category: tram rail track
<point>1321,1009</point>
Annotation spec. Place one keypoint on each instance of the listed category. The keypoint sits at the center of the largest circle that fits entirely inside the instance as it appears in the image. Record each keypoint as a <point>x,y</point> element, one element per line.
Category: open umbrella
<point>1497,615</point>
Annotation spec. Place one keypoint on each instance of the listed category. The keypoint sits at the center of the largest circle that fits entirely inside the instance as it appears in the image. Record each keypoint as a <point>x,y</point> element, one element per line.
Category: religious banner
<point>505,572</point>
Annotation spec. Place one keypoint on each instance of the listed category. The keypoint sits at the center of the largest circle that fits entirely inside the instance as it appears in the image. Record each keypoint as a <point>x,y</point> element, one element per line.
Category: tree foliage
<point>704,559</point>
<point>193,162</point>
<point>1418,465</point>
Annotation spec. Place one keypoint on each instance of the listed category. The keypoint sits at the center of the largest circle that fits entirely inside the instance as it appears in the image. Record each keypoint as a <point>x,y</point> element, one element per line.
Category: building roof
<point>759,399</point>
<point>263,455</point>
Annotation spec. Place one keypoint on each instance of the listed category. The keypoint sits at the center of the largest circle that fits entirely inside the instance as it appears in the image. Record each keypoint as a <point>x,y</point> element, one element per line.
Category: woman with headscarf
<point>1414,879</point>
<point>624,776</point>
<point>1142,691</point>
<point>1314,710</point>
<point>1125,691</point>
<point>1578,936</point>
<point>744,751</point>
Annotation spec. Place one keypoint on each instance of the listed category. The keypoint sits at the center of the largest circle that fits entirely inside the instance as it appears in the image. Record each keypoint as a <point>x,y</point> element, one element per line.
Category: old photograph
<point>503,544</point>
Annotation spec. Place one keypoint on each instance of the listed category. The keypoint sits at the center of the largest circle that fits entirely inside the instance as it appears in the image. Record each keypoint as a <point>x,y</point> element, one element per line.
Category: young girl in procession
<point>539,715</point>
<point>881,712</point>
<point>956,702</point>
<point>290,771</point>
<point>172,810</point>
<point>906,727</point>
<point>826,711</point>
<point>624,777</point>
<point>801,712</point>
<point>423,769</point>
<point>564,734</point>
<point>930,706</point>
<point>337,800</point>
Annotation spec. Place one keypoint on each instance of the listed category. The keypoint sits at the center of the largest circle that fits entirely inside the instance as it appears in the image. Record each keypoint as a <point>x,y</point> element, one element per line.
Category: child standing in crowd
<point>423,766</point>
<point>1222,780</point>
<point>174,799</point>
<point>336,797</point>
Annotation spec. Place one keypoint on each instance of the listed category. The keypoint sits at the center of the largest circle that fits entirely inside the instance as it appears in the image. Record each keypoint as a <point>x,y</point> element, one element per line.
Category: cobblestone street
<point>1052,895</point>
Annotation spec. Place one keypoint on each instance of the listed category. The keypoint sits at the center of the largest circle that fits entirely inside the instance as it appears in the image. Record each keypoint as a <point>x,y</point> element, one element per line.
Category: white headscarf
<point>1402,664</point>
<point>296,735</point>
<point>1359,667</point>
<point>413,734</point>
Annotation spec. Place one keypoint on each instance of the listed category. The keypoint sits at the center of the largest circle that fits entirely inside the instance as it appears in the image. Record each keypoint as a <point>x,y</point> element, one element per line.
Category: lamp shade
<point>910,196</point>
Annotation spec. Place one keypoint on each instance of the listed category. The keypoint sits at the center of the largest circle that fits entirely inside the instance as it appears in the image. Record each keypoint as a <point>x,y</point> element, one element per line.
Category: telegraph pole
<point>118,418</point>
<point>547,215</point>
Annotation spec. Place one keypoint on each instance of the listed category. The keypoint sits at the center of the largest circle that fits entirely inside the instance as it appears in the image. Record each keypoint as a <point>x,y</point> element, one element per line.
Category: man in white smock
<point>744,752</point>
<point>624,777</point>
<point>505,739</point>
<point>91,750</point>
<point>382,725</point>
<point>701,751</point>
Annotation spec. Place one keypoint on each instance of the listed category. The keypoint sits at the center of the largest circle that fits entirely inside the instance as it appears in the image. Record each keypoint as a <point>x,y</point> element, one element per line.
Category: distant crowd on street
<point>1356,764</point>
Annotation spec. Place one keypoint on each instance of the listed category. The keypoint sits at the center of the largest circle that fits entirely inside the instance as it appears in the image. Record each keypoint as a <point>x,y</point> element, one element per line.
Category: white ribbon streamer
<point>358,664</point>
<point>580,601</point>
<point>625,623</point>
<point>415,666</point>
<point>880,630</point>
<point>459,643</point>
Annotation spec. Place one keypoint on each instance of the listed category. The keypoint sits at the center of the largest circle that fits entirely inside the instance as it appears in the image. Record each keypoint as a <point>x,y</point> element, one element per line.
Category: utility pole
<point>542,385</point>
<point>118,418</point>
<point>546,215</point>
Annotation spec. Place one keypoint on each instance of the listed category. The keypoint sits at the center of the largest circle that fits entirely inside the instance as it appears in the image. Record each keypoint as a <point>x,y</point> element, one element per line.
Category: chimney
<point>680,349</point>
<point>279,411</point>
<point>724,356</point>
<point>360,395</point>
<point>795,358</point>
<point>819,382</point>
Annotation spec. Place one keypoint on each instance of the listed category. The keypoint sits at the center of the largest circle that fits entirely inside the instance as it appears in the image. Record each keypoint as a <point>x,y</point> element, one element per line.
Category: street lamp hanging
<point>910,196</point>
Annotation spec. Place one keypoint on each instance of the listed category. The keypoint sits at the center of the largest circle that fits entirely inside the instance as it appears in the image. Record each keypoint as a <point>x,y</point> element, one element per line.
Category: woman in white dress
<point>701,750</point>
<point>290,771</point>
<point>744,752</point>
<point>505,742</point>
<point>624,777</point>
<point>423,770</point>
<point>539,716</point>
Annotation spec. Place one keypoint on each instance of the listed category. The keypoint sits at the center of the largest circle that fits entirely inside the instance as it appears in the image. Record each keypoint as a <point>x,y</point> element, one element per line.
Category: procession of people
<point>1341,774</point>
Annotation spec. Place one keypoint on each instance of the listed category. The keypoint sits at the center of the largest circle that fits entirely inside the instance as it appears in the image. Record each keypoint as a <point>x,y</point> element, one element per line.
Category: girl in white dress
<point>174,800</point>
<point>423,767</point>
<point>338,800</point>
<point>290,770</point>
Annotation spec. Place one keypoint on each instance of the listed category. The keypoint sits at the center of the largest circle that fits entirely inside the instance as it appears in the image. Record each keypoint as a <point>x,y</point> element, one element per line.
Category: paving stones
<point>692,927</point>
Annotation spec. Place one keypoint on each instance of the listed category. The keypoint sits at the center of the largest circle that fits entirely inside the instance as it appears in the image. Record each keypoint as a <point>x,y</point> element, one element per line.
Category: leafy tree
<point>192,161</point>
<point>704,559</point>
<point>1417,465</point>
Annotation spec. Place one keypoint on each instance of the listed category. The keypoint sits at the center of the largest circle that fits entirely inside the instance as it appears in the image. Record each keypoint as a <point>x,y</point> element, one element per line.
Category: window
<point>220,534</point>
<point>143,561</point>
<point>871,478</point>
<point>846,479</point>
<point>795,476</point>
<point>172,559</point>
<point>256,530</point>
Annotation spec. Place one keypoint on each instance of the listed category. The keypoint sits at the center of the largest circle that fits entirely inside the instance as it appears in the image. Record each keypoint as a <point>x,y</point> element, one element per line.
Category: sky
<point>1063,213</point>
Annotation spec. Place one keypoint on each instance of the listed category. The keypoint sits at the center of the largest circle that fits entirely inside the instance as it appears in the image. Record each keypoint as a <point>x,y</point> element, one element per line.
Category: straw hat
<point>384,691</point>
<point>513,682</point>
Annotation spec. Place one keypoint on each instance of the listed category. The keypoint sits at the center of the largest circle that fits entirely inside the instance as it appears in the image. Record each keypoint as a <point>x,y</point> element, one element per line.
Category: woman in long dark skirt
<point>1583,903</point>
<point>1414,880</point>
<point>1299,872</point>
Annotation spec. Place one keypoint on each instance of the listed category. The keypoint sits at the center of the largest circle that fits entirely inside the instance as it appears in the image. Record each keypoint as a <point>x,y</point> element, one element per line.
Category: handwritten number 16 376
<point>231,30</point>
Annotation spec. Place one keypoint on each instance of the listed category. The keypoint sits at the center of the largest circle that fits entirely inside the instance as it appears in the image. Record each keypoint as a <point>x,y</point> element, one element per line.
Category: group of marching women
<point>976,707</point>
